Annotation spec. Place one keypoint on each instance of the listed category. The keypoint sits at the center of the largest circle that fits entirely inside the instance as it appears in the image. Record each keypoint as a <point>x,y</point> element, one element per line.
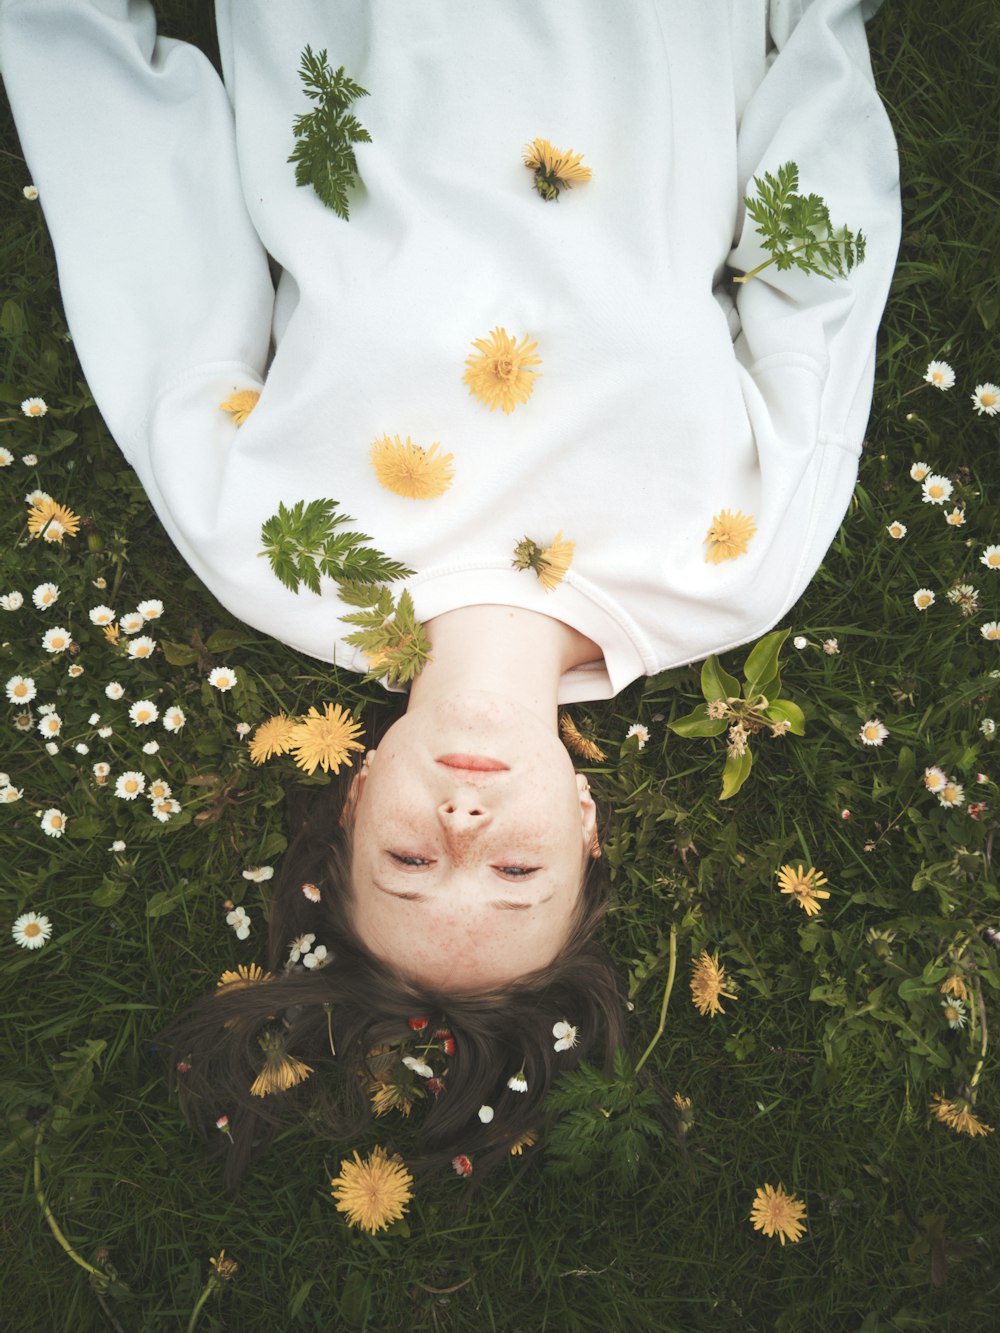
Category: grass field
<point>818,1076</point>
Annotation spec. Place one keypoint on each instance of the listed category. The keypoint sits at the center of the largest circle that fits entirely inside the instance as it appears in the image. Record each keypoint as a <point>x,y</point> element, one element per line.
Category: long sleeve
<point>129,138</point>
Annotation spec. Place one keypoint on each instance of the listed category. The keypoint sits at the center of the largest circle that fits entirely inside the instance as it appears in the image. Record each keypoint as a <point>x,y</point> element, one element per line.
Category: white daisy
<point>418,1066</point>
<point>11,601</point>
<point>129,785</point>
<point>51,747</point>
<point>991,630</point>
<point>36,497</point>
<point>937,489</point>
<point>986,399</point>
<point>45,595</point>
<point>34,407</point>
<point>30,193</point>
<point>517,1082</point>
<point>565,1035</point>
<point>259,873</point>
<point>239,921</point>
<point>919,470</point>
<point>143,712</point>
<point>56,639</point>
<point>485,1114</point>
<point>173,718</point>
<point>131,623</point>
<point>162,810</point>
<point>114,690</point>
<point>935,779</point>
<point>151,747</point>
<point>954,1011</point>
<point>299,946</point>
<point>101,772</point>
<point>991,557</point>
<point>105,732</point>
<point>50,724</point>
<point>117,846</point>
<point>923,598</point>
<point>74,671</point>
<point>29,460</point>
<point>53,823</point>
<point>988,727</point>
<point>21,689</point>
<point>93,719</point>
<point>873,732</point>
<point>311,892</point>
<point>243,729</point>
<point>955,518</point>
<point>318,957</point>
<point>831,647</point>
<point>9,793</point>
<point>46,708</point>
<point>6,457</point>
<point>640,732</point>
<point>222,678</point>
<point>81,747</point>
<point>941,375</point>
<point>31,931</point>
<point>150,610</point>
<point>800,641</point>
<point>159,789</point>
<point>143,646</point>
<point>896,530</point>
<point>951,794</point>
<point>101,615</point>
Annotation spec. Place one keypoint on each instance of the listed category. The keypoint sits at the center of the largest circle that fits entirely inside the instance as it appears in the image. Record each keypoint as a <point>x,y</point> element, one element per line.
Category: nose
<point>463,815</point>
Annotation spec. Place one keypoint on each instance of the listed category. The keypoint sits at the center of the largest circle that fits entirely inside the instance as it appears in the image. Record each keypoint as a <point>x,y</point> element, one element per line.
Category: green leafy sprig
<point>323,154</point>
<point>744,710</point>
<point>304,542</point>
<point>796,229</point>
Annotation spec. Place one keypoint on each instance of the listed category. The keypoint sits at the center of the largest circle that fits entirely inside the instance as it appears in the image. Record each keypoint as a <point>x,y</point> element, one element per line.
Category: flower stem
<point>666,999</point>
<point>209,1288</point>
<point>102,1281</point>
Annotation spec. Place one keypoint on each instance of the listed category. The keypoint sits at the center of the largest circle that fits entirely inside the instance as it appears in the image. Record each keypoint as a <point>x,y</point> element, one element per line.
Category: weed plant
<point>818,1075</point>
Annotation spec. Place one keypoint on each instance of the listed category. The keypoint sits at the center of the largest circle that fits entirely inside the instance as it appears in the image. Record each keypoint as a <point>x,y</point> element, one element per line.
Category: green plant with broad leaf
<point>743,709</point>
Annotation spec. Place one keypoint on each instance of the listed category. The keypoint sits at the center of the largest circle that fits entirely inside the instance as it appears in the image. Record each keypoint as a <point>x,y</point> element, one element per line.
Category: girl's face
<point>471,836</point>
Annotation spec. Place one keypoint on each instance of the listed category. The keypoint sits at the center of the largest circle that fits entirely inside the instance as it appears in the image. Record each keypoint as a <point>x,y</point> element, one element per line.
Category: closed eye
<point>516,872</point>
<point>409,860</point>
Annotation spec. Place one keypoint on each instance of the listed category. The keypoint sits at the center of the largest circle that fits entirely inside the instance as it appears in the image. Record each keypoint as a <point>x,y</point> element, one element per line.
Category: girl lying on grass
<point>667,469</point>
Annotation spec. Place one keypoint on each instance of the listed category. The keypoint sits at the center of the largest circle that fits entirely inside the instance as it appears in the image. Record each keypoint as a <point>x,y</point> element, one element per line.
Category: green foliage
<point>305,542</point>
<point>324,156</point>
<point>392,639</point>
<point>796,229</point>
<point>603,1122</point>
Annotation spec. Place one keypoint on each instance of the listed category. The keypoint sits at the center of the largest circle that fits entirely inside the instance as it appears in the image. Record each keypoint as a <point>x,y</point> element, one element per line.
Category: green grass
<point>805,1079</point>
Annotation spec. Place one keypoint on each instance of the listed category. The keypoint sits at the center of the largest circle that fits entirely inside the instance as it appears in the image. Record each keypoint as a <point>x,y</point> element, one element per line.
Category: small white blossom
<point>923,598</point>
<point>50,724</point>
<point>29,460</point>
<point>800,641</point>
<point>243,729</point>
<point>74,671</point>
<point>6,457</point>
<point>565,1035</point>
<point>958,1016</point>
<point>114,690</point>
<point>986,399</point>
<point>937,489</point>
<point>991,557</point>
<point>299,946</point>
<point>873,732</point>
<point>935,779</point>
<point>130,785</point>
<point>81,747</point>
<point>517,1082</point>
<point>420,1067</point>
<point>30,193</point>
<point>162,810</point>
<point>45,595</point>
<point>143,646</point>
<point>131,623</point>
<point>259,873</point>
<point>951,794</point>
<point>117,845</point>
<point>31,931</point>
<point>159,789</point>
<point>940,374</point>
<point>101,772</point>
<point>21,689</point>
<point>105,732</point>
<point>173,718</point>
<point>222,678</point>
<point>831,647</point>
<point>143,712</point>
<point>239,921</point>
<point>151,747</point>
<point>920,470</point>
<point>9,793</point>
<point>11,601</point>
<point>101,615</point>
<point>988,727</point>
<point>955,518</point>
<point>486,1114</point>
<point>56,639</point>
<point>318,957</point>
<point>991,629</point>
<point>34,407</point>
<point>51,747</point>
<point>54,823</point>
<point>94,719</point>
<point>151,609</point>
<point>640,733</point>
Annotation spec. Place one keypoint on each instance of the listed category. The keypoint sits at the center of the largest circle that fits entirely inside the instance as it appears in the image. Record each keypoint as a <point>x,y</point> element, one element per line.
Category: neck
<point>503,650</point>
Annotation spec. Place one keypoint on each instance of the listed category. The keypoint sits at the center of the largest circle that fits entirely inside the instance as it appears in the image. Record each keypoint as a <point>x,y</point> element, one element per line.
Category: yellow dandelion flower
<point>527,1140</point>
<point>271,737</point>
<point>374,1192</point>
<point>729,535</point>
<point>240,404</point>
<point>776,1213</point>
<point>550,563</point>
<point>409,469</point>
<point>958,1116</point>
<point>554,170</point>
<point>112,633</point>
<point>388,1097</point>
<point>225,1268</point>
<point>575,740</point>
<point>52,521</point>
<point>707,984</point>
<point>281,1071</point>
<point>804,886</point>
<point>324,740</point>
<point>499,375</point>
<point>955,985</point>
<point>246,974</point>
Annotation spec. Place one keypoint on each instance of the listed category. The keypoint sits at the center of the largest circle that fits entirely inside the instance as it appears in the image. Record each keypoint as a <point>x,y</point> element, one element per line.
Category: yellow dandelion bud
<point>554,170</point>
<point>240,404</point>
<point>550,563</point>
<point>577,742</point>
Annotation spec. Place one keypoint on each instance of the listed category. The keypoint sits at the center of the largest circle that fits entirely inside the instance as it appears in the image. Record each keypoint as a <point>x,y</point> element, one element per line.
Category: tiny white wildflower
<point>873,732</point>
<point>21,689</point>
<point>101,615</point>
<point>991,630</point>
<point>259,873</point>
<point>51,747</point>
<point>986,399</point>
<point>318,957</point>
<point>937,489</point>
<point>34,407</point>
<point>30,193</point>
<point>485,1114</point>
<point>54,823</point>
<point>300,946</point>
<point>114,690</point>
<point>173,718</point>
<point>988,727</point>
<point>151,747</point>
<point>240,922</point>
<point>940,374</point>
<point>565,1035</point>
<point>50,724</point>
<point>29,460</point>
<point>935,779</point>
<point>6,457</point>
<point>117,846</point>
<point>12,601</point>
<point>420,1067</point>
<point>955,518</point>
<point>222,678</point>
<point>640,733</point>
<point>31,930</point>
<point>991,557</point>
<point>151,609</point>
<point>143,712</point>
<point>130,785</point>
<point>923,598</point>
<point>45,595</point>
<point>105,732</point>
<point>143,646</point>
<point>81,747</point>
<point>101,772</point>
<point>9,793</point>
<point>517,1082</point>
<point>131,623</point>
<point>920,470</point>
<point>56,640</point>
<point>951,794</point>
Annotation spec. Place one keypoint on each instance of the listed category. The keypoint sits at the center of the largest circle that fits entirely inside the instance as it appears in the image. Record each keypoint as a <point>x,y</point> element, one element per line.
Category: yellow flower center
<point>142,715</point>
<point>871,732</point>
<point>32,929</point>
<point>131,785</point>
<point>503,367</point>
<point>20,689</point>
<point>56,821</point>
<point>987,399</point>
<point>935,490</point>
<point>993,559</point>
<point>34,410</point>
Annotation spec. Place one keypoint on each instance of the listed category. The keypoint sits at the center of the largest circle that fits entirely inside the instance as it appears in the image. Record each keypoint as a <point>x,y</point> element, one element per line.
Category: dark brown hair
<point>356,1003</point>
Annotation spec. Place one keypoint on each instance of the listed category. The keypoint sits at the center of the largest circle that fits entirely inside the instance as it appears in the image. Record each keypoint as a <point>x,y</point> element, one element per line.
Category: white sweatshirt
<point>659,401</point>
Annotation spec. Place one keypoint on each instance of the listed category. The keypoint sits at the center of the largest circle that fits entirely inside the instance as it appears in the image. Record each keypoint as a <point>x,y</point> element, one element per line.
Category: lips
<point>473,763</point>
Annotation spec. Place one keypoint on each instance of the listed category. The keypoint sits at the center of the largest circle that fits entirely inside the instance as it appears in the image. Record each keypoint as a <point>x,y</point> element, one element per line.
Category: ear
<point>588,816</point>
<point>355,791</point>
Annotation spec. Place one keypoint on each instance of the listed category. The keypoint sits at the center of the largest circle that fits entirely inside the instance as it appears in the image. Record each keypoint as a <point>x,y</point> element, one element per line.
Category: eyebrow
<point>502,904</point>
